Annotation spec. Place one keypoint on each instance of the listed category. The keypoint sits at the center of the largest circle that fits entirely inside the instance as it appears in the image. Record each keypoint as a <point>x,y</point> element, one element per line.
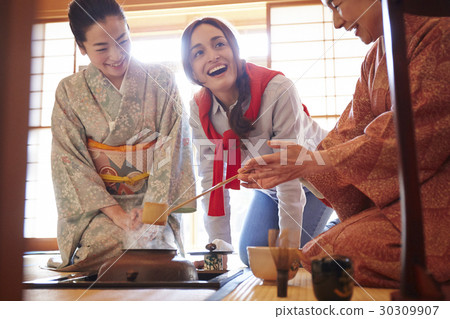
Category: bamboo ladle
<point>157,213</point>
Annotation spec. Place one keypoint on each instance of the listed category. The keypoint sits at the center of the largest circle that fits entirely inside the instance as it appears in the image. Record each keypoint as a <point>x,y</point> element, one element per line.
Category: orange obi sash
<point>124,169</point>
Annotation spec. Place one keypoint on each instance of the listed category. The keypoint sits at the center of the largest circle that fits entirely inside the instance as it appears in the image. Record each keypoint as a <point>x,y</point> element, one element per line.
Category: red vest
<point>259,78</point>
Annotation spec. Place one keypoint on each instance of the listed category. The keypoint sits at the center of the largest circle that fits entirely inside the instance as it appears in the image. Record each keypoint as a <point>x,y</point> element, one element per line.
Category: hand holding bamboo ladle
<point>157,213</point>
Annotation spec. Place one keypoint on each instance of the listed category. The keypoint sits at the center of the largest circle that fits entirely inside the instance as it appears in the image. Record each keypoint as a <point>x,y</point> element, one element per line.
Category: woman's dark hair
<point>84,13</point>
<point>236,119</point>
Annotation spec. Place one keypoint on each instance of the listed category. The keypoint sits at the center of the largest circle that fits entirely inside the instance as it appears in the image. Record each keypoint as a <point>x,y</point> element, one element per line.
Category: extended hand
<point>268,171</point>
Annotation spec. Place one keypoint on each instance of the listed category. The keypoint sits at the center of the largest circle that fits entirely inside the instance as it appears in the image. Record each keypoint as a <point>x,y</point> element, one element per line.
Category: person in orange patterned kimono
<point>355,166</point>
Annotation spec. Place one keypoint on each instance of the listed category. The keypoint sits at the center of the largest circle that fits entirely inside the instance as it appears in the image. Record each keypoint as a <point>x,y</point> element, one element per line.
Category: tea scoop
<point>157,213</point>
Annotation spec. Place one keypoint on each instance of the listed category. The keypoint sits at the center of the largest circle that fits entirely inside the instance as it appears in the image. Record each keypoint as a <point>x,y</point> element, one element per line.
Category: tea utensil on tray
<point>278,243</point>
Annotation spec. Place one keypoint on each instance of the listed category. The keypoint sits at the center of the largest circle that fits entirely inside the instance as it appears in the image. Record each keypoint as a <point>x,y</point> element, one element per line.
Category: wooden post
<point>16,18</point>
<point>416,284</point>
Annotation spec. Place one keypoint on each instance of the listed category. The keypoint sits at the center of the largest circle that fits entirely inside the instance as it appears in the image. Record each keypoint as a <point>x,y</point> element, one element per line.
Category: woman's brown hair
<point>236,119</point>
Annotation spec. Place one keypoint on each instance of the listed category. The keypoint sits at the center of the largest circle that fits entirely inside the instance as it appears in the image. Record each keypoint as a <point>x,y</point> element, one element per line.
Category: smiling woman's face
<point>212,60</point>
<point>107,46</point>
<point>363,16</point>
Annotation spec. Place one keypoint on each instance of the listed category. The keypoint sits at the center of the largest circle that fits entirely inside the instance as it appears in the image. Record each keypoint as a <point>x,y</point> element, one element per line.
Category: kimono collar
<point>105,95</point>
<point>135,73</point>
<point>115,105</point>
<point>135,78</point>
<point>259,77</point>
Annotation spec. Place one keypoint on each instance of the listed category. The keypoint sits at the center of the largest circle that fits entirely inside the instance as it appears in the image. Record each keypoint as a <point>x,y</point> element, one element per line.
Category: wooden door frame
<point>16,18</point>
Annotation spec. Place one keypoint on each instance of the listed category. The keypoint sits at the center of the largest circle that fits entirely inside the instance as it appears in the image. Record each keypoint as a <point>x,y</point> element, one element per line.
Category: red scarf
<point>259,78</point>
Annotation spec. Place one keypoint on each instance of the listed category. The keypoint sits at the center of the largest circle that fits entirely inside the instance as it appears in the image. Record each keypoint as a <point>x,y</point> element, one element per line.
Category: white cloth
<point>281,117</point>
<point>222,245</point>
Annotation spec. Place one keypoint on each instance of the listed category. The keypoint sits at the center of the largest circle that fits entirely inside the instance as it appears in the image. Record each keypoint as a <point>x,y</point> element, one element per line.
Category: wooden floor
<point>300,289</point>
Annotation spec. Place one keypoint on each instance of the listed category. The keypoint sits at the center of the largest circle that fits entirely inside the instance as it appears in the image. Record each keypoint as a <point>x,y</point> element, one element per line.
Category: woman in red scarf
<point>238,109</point>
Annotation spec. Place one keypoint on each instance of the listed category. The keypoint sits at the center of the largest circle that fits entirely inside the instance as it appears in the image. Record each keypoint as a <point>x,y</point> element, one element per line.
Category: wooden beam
<point>56,10</point>
<point>41,244</point>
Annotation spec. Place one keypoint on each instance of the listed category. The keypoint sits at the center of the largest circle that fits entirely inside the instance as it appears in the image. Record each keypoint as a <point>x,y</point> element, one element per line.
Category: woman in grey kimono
<point>119,140</point>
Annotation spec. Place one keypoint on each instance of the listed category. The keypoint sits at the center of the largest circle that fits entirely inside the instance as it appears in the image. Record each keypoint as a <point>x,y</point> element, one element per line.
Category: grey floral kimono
<point>89,108</point>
